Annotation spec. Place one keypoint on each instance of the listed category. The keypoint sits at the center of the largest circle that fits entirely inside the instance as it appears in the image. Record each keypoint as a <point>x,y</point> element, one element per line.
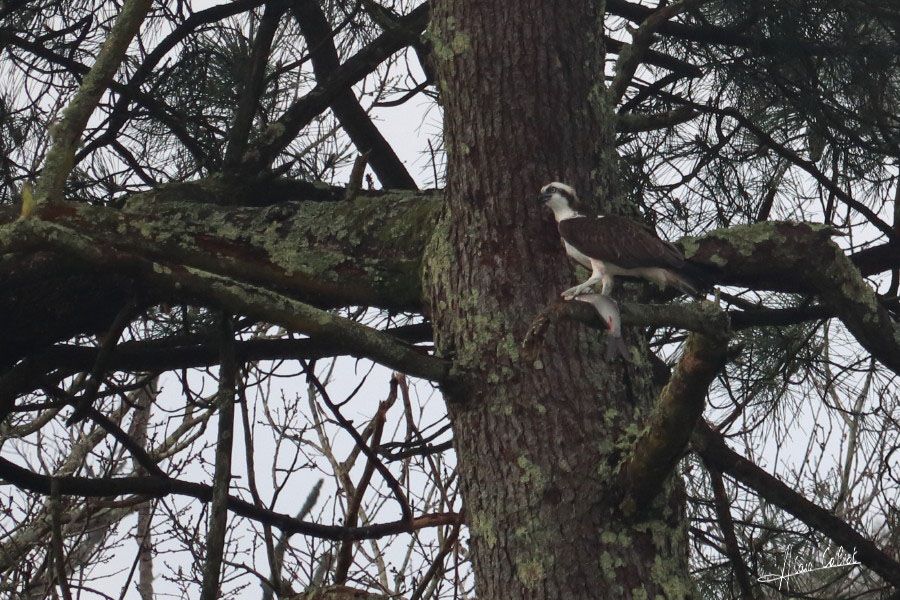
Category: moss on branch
<point>364,252</point>
<point>662,442</point>
<point>295,237</point>
<point>801,257</point>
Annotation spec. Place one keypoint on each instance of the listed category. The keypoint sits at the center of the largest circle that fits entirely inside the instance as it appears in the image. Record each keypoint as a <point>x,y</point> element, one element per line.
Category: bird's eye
<point>552,189</point>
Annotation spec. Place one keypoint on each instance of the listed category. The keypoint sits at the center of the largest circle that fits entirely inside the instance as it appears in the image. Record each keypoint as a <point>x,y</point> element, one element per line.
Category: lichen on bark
<point>531,442</point>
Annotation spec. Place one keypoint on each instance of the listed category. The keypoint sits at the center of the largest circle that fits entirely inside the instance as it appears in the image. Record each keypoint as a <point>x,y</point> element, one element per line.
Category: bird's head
<point>559,197</point>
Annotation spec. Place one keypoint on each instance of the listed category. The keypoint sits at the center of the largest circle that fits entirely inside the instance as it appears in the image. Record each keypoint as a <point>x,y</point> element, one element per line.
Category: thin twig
<point>345,554</point>
<point>218,517</point>
<point>107,346</point>
<point>437,565</point>
<point>56,541</point>
<point>254,491</point>
<point>371,454</point>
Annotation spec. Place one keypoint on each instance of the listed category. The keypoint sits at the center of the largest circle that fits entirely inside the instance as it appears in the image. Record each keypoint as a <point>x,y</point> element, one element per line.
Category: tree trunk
<point>537,443</point>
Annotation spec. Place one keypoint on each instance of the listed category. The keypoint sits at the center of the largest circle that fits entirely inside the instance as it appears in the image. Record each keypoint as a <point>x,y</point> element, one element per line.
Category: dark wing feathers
<point>620,241</point>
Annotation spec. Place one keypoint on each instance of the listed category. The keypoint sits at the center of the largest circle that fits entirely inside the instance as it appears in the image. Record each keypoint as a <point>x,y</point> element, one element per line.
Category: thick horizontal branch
<point>202,351</point>
<point>700,317</point>
<point>236,296</point>
<point>297,238</point>
<point>778,256</point>
<point>157,356</point>
<point>330,252</point>
<point>710,445</point>
<point>798,257</point>
<point>660,445</point>
<point>705,318</point>
<point>158,487</point>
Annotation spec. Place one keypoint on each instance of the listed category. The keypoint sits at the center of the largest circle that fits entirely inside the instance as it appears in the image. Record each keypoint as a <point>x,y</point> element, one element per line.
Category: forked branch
<point>661,444</point>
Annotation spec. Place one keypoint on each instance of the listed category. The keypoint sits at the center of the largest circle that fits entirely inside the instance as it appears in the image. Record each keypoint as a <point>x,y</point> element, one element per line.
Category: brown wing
<point>620,241</point>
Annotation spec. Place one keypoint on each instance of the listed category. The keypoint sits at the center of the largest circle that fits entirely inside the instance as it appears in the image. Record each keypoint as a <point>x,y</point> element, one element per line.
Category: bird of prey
<point>610,245</point>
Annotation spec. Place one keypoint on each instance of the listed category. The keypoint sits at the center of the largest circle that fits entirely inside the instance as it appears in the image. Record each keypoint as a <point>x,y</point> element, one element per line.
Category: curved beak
<point>544,197</point>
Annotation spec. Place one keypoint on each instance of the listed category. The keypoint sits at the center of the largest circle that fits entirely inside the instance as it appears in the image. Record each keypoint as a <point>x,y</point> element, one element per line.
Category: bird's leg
<point>598,274</point>
<point>581,288</point>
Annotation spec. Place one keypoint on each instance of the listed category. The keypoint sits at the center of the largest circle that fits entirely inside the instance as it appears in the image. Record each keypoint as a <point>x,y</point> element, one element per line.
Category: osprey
<point>609,245</point>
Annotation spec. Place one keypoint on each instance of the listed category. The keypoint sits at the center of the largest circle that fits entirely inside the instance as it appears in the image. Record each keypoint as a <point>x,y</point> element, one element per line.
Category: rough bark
<point>328,253</point>
<point>536,442</point>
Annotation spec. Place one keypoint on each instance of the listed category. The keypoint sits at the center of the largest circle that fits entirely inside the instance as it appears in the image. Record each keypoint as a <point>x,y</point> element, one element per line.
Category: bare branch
<point>345,554</point>
<point>66,133</point>
<point>361,445</point>
<point>709,444</point>
<point>107,347</point>
<point>56,541</point>
<point>283,131</point>
<point>631,55</point>
<point>358,125</point>
<point>158,487</point>
<point>218,514</point>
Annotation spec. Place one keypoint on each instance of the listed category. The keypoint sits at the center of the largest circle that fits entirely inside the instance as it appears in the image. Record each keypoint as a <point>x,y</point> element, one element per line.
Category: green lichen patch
<point>483,529</point>
<point>532,475</point>
<point>530,572</point>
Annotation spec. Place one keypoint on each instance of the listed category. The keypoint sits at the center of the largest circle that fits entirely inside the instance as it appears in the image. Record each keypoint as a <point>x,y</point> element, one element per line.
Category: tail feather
<point>694,278</point>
